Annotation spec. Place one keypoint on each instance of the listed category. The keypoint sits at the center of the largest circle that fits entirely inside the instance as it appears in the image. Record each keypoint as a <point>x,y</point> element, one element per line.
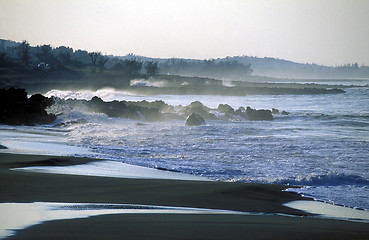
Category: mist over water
<point>322,145</point>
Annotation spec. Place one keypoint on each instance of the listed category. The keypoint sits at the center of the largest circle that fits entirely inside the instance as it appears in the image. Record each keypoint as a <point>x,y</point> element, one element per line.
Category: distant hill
<point>280,68</point>
<point>268,67</point>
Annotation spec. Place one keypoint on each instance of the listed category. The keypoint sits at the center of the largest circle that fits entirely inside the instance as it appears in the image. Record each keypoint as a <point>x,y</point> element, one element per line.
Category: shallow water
<point>113,169</point>
<point>324,210</point>
<point>37,141</point>
<point>17,216</point>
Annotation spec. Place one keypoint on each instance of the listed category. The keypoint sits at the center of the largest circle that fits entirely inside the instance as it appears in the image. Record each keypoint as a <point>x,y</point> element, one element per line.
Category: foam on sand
<point>37,141</point>
<point>17,216</point>
<point>326,210</point>
<point>113,169</point>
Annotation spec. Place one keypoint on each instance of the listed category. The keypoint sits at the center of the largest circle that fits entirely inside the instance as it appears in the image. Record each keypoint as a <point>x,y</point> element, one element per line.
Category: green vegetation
<point>42,68</point>
<point>231,69</point>
<point>152,68</point>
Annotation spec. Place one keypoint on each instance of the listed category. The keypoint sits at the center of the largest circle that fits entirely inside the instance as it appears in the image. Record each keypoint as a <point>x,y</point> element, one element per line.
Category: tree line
<point>47,58</point>
<point>211,68</point>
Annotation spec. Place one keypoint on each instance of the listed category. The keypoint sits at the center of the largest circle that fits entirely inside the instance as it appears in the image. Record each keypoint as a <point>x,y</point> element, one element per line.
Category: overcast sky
<point>329,32</point>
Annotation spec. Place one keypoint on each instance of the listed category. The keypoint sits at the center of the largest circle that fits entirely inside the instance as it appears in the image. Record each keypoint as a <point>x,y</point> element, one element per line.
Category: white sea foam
<point>17,216</point>
<point>322,145</point>
<point>146,83</point>
<point>38,141</point>
<point>329,179</point>
<point>107,94</point>
<point>113,169</point>
<point>325,210</point>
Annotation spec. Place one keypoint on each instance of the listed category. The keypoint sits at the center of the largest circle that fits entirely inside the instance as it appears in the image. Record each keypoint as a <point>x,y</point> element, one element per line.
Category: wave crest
<point>330,179</point>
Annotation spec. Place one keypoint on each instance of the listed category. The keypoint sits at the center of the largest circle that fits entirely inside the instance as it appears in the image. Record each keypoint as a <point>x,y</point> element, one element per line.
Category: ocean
<point>322,145</point>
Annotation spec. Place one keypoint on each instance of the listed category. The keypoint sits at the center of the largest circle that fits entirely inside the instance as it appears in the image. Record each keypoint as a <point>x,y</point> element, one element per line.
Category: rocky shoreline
<point>17,109</point>
<point>161,111</point>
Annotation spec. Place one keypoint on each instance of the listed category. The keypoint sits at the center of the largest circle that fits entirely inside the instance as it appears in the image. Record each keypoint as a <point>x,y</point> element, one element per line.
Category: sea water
<point>322,145</point>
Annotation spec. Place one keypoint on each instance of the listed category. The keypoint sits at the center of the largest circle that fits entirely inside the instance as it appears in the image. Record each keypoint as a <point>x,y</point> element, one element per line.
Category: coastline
<point>268,199</point>
<point>20,186</point>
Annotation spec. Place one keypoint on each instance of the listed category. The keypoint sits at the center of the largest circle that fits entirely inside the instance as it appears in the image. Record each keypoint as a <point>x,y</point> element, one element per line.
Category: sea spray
<point>320,147</point>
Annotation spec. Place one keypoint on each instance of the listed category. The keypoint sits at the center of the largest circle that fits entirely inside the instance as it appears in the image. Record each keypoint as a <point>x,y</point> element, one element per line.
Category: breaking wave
<point>330,179</point>
<point>106,94</point>
<point>321,147</point>
<point>145,83</point>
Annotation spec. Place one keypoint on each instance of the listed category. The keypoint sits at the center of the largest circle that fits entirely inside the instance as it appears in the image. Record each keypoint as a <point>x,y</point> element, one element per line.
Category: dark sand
<point>17,186</point>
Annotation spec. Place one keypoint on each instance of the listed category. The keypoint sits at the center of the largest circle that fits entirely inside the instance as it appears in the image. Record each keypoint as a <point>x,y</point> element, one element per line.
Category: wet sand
<point>18,186</point>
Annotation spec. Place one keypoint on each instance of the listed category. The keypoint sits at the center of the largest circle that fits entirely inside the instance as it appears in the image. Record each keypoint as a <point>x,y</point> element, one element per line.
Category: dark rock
<point>225,108</point>
<point>17,109</point>
<point>275,111</point>
<point>129,110</point>
<point>241,111</point>
<point>150,114</point>
<point>194,120</point>
<point>166,169</point>
<point>254,115</point>
<point>158,104</point>
<point>96,100</point>
<point>13,95</point>
<point>198,104</point>
<point>200,109</point>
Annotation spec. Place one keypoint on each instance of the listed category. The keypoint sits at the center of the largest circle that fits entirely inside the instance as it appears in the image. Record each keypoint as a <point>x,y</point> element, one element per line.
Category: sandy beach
<point>20,186</point>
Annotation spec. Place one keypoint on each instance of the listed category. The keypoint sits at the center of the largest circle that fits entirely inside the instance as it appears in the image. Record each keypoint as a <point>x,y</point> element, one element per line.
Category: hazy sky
<point>330,32</point>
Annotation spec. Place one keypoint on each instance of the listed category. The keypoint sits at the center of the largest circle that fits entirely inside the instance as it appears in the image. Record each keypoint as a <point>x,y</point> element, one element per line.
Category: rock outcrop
<point>255,115</point>
<point>17,109</point>
<point>122,109</point>
<point>194,119</point>
<point>200,109</point>
<point>225,108</point>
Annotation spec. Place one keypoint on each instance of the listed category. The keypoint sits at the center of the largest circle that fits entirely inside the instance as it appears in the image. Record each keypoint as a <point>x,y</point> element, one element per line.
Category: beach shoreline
<point>38,187</point>
<point>268,199</point>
